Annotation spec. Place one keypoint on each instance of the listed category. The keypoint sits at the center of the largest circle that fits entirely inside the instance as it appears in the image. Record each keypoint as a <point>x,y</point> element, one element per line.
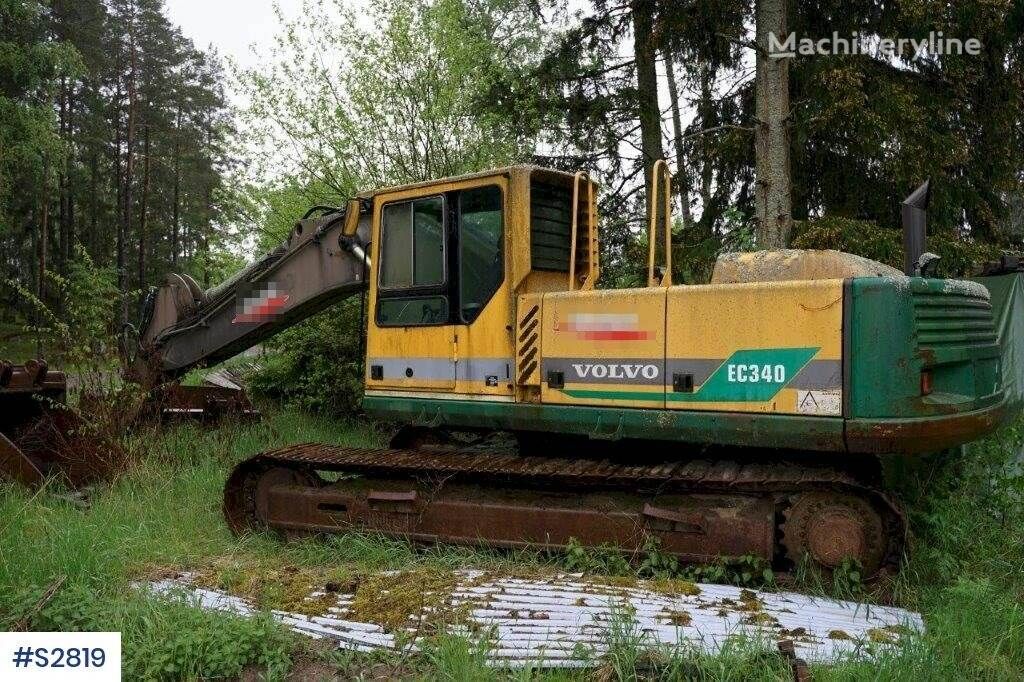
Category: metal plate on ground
<point>569,621</point>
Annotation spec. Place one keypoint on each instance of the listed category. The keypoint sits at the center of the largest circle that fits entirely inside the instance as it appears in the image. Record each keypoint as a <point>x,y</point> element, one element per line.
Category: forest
<point>120,144</point>
<point>115,133</point>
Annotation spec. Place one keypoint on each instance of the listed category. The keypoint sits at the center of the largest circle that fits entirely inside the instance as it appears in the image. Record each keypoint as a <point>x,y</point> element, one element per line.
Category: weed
<point>656,563</point>
<point>847,581</point>
<point>456,658</point>
<point>600,560</point>
<point>743,571</point>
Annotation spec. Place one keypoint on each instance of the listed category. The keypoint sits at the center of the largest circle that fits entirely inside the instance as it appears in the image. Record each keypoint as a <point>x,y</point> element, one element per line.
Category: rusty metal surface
<point>17,466</point>
<point>31,400</point>
<point>174,401</point>
<point>831,527</point>
<point>923,435</point>
<point>698,508</point>
<point>32,377</point>
<point>468,515</point>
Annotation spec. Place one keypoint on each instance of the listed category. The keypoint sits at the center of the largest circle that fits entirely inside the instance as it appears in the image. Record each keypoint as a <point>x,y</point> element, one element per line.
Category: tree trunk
<point>62,178</point>
<point>143,209</point>
<point>69,249</point>
<point>207,226</point>
<point>682,172</point>
<point>645,54</point>
<point>126,220</point>
<point>119,188</point>
<point>773,194</point>
<point>176,202</point>
<point>705,108</point>
<point>98,244</point>
<point>44,229</point>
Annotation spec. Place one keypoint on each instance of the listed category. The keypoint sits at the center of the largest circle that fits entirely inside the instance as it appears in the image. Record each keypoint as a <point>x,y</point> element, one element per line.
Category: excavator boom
<point>321,262</point>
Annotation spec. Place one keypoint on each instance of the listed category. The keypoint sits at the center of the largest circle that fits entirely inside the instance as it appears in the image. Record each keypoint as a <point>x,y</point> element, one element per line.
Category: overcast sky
<point>231,26</point>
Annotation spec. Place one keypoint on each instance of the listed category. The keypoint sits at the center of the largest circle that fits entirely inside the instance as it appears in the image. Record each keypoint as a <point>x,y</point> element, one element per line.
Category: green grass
<point>16,344</point>
<point>966,574</point>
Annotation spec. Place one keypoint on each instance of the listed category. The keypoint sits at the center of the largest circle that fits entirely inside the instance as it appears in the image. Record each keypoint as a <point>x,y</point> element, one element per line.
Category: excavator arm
<point>323,261</point>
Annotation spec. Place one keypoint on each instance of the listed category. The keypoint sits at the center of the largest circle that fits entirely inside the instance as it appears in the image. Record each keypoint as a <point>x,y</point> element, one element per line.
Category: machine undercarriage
<point>495,492</point>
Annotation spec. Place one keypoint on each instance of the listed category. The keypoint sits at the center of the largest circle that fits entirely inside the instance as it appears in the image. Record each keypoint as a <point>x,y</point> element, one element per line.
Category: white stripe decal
<point>378,393</point>
<point>443,369</point>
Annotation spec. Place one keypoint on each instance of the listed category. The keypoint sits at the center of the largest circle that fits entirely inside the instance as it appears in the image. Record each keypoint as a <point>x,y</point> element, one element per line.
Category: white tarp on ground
<point>567,621</point>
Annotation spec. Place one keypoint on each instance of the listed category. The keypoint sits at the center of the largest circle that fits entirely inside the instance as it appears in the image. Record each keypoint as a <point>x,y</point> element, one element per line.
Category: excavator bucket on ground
<point>36,428</point>
<point>173,402</point>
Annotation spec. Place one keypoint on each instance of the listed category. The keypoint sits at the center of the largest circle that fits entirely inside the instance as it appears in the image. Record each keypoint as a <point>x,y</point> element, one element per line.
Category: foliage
<point>341,108</point>
<point>599,560</point>
<point>92,296</point>
<point>864,130</point>
<point>744,571</point>
<point>694,252</point>
<point>318,364</point>
<point>29,67</point>
<point>652,562</point>
<point>960,256</point>
<point>80,335</point>
<point>114,129</point>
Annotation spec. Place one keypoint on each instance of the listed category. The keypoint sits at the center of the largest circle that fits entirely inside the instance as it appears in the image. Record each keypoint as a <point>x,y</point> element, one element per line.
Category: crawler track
<point>698,509</point>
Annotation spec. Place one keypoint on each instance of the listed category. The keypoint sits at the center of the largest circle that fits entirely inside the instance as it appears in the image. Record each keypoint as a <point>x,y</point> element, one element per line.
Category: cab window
<point>441,258</point>
<point>412,244</point>
<point>481,256</point>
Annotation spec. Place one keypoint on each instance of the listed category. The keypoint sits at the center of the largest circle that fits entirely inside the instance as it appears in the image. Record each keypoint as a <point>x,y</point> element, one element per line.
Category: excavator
<point>750,416</point>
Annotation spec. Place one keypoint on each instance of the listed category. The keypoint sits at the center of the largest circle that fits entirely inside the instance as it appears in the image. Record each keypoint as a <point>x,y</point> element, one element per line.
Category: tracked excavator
<point>743,417</point>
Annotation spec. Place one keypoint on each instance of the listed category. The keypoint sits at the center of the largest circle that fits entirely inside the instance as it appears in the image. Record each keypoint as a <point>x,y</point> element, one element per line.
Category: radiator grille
<point>953,320</point>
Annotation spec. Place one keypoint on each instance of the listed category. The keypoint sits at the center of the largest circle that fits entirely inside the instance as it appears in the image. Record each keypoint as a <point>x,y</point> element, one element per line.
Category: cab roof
<point>549,174</point>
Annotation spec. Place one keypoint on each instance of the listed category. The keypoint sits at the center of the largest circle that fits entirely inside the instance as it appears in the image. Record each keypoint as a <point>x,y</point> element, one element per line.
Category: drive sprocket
<point>832,527</point>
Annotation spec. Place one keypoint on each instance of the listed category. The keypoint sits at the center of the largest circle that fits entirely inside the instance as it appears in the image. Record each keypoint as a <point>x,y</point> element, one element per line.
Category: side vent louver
<point>528,342</point>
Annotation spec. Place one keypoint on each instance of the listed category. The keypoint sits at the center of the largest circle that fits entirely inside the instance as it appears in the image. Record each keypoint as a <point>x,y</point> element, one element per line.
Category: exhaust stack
<point>915,228</point>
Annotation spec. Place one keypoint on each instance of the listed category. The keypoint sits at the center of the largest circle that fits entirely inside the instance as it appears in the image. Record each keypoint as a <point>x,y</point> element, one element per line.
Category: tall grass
<point>965,574</point>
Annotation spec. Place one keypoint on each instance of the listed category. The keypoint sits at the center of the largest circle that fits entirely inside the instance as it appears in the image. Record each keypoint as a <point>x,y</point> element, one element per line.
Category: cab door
<point>410,339</point>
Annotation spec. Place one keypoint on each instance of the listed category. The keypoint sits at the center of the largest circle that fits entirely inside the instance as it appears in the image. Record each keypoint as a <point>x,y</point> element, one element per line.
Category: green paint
<point>611,423</point>
<point>589,394</point>
<point>751,376</point>
<point>898,328</point>
<point>748,376</point>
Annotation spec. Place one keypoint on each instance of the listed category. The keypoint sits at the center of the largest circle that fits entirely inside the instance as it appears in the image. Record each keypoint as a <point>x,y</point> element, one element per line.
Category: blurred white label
<point>825,403</point>
<point>52,656</point>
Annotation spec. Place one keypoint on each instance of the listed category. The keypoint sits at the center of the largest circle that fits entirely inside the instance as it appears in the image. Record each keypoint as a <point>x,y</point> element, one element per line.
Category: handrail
<point>592,246</point>
<point>666,177</point>
<point>591,232</point>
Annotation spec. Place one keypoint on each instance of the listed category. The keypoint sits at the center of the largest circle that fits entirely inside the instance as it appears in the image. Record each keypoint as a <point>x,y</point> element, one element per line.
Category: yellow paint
<point>655,325</point>
<point>714,321</point>
<point>561,341</point>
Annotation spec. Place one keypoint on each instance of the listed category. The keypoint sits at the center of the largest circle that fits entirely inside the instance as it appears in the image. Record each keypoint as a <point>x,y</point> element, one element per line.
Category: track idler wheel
<point>831,528</point>
<point>246,498</point>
